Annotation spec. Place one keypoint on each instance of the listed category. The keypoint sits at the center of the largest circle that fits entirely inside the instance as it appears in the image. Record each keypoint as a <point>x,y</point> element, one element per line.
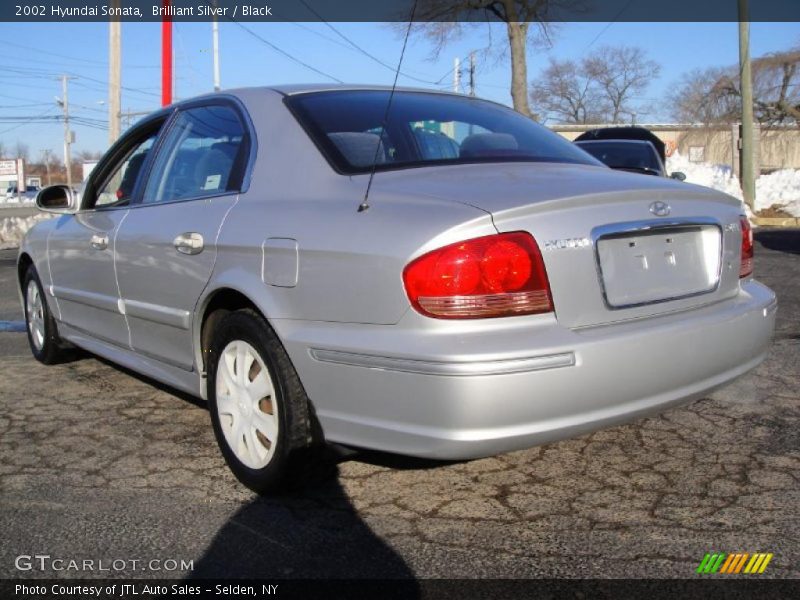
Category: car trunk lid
<point>616,246</point>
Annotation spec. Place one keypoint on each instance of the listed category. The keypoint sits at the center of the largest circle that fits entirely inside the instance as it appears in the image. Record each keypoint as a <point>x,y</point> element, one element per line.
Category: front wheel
<point>259,410</point>
<point>46,346</point>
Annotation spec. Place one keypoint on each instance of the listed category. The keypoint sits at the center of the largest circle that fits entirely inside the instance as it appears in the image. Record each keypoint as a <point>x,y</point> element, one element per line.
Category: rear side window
<point>201,155</point>
<point>423,129</point>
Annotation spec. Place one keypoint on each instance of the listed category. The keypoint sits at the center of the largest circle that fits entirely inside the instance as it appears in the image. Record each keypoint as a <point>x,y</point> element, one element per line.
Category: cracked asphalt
<point>98,463</point>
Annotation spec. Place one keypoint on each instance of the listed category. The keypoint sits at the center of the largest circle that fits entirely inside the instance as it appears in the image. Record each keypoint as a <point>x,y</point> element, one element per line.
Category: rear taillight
<point>746,266</point>
<point>493,276</point>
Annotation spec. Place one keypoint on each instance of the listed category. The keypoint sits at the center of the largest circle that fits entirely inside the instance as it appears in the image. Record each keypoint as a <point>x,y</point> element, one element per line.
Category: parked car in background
<point>416,272</point>
<point>633,149</point>
<point>29,193</point>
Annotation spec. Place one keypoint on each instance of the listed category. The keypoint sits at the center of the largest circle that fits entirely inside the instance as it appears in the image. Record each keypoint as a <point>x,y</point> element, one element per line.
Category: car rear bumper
<point>460,392</point>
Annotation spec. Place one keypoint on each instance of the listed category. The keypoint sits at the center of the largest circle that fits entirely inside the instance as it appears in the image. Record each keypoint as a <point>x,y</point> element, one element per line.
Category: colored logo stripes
<point>739,562</point>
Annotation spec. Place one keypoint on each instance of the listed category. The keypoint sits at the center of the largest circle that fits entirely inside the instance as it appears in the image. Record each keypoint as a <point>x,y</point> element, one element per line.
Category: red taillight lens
<point>493,276</point>
<point>746,266</point>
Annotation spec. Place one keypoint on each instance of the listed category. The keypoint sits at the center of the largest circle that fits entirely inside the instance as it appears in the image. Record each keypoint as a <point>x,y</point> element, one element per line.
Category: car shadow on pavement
<point>782,240</point>
<point>312,532</point>
<point>397,462</point>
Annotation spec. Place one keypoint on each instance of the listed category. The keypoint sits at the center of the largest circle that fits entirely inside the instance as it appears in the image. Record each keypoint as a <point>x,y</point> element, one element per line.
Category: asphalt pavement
<point>99,463</point>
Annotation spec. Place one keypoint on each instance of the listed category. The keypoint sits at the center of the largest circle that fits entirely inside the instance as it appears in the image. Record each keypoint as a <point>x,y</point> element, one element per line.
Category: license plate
<point>659,265</point>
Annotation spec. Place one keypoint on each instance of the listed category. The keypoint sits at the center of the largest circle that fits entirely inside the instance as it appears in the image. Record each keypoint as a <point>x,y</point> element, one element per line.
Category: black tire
<point>294,435</point>
<point>52,349</point>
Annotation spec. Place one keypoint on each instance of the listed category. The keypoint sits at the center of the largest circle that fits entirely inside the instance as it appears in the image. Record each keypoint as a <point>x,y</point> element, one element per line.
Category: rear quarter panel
<point>349,264</point>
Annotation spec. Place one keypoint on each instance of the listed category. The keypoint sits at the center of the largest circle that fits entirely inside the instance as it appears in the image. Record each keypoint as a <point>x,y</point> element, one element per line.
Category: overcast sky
<point>34,54</point>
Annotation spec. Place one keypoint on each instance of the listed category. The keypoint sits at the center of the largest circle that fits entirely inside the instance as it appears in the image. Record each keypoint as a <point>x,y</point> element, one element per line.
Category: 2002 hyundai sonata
<point>444,279</point>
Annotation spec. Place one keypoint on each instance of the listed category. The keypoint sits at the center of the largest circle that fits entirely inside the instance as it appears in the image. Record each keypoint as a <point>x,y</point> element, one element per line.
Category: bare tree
<point>777,87</point>
<point>47,164</point>
<point>600,88</point>
<point>621,73</point>
<point>714,95</point>
<point>526,21</point>
<point>88,155</point>
<point>565,92</point>
<point>22,150</point>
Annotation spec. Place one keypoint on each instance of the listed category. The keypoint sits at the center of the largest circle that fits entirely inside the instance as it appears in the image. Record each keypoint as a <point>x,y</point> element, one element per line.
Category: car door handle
<point>99,242</point>
<point>189,243</point>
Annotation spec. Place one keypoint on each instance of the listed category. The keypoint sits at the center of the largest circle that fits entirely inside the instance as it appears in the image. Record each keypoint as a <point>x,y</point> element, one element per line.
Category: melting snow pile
<point>781,188</point>
<point>12,229</point>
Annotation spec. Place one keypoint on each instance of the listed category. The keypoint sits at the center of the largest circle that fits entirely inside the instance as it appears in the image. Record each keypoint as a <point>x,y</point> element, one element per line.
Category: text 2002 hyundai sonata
<point>502,289</point>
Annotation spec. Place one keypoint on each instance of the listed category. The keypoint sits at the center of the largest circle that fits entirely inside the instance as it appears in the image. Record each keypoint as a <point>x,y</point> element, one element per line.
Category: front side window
<point>118,187</point>
<point>423,129</point>
<point>200,156</point>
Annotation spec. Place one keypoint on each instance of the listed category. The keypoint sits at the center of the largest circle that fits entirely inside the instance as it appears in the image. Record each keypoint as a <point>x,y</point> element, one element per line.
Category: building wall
<point>777,148</point>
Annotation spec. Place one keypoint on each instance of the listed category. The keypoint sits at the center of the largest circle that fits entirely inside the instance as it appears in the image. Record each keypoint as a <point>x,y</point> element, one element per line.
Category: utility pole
<point>472,73</point>
<point>456,75</point>
<point>114,77</point>
<point>747,139</point>
<point>69,136</point>
<point>215,49</point>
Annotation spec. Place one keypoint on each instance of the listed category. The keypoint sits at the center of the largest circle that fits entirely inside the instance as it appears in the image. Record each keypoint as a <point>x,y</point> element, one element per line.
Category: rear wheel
<point>46,346</point>
<point>259,410</point>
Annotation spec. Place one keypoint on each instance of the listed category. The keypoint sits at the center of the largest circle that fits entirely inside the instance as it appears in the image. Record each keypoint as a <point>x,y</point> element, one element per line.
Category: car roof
<point>294,88</point>
<point>242,93</point>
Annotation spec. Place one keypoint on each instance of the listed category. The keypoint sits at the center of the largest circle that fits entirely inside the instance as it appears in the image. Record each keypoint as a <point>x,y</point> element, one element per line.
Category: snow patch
<point>13,229</point>
<point>780,188</point>
<point>16,201</point>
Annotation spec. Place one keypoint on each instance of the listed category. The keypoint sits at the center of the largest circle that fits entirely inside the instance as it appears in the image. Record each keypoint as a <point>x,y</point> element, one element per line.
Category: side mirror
<point>678,175</point>
<point>58,199</point>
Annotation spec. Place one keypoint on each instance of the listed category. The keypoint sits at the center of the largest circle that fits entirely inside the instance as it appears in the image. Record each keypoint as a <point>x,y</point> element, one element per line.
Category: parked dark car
<point>628,149</point>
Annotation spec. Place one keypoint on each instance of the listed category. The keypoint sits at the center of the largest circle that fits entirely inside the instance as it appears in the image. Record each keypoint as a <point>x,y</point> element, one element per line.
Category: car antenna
<point>365,203</point>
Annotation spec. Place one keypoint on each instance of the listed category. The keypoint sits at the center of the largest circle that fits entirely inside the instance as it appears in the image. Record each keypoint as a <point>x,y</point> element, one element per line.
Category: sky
<point>33,55</point>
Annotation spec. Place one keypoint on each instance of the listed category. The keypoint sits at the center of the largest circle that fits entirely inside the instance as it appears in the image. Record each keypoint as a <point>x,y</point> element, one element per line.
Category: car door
<point>166,247</point>
<point>80,247</point>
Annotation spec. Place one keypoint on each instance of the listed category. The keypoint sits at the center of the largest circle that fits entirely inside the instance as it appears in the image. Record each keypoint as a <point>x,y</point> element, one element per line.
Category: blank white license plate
<point>659,265</point>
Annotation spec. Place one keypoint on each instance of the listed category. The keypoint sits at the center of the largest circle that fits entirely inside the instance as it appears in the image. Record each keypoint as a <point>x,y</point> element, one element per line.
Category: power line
<point>43,74</point>
<point>29,120</point>
<point>364,52</point>
<point>609,24</point>
<point>25,105</point>
<point>98,63</point>
<point>286,54</point>
<point>13,97</point>
<point>322,35</point>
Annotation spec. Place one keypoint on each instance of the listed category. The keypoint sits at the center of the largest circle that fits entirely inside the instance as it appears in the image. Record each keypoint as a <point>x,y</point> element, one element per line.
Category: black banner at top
<point>398,10</point>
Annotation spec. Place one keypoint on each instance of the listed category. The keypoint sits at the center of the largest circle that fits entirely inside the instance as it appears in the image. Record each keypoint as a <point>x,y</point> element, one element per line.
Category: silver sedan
<point>420,273</point>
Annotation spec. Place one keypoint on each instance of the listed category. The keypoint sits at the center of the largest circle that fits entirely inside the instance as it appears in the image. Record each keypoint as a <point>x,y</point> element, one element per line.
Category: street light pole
<point>746,79</point>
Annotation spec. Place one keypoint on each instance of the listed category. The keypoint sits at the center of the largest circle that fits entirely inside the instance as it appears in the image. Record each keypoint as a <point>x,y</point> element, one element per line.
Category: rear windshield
<point>423,129</point>
<point>624,155</point>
